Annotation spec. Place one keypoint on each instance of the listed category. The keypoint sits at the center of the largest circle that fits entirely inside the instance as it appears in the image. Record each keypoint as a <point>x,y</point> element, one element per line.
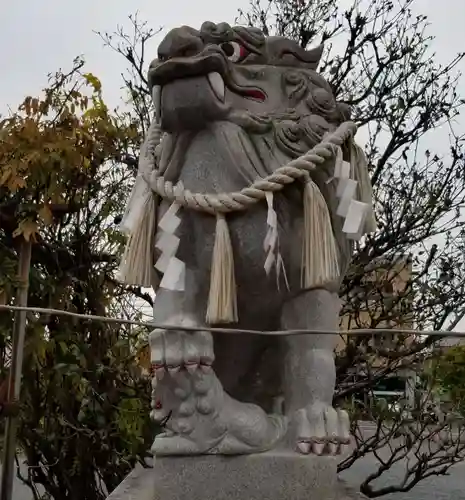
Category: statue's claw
<point>304,447</point>
<point>320,429</point>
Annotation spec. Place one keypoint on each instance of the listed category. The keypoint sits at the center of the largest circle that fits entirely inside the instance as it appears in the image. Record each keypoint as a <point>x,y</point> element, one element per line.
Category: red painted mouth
<point>255,94</point>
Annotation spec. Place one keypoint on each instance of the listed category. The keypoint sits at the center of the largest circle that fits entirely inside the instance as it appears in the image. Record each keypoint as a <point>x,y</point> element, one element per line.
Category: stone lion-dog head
<point>237,74</point>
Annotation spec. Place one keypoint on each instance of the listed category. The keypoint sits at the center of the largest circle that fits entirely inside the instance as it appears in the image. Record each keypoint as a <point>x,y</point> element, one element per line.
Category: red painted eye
<point>234,51</point>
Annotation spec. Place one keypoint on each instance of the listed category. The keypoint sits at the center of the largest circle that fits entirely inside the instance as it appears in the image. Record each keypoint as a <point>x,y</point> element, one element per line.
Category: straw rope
<point>249,196</point>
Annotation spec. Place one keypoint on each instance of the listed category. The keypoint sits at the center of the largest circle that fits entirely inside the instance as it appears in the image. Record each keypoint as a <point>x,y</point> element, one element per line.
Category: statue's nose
<point>180,42</point>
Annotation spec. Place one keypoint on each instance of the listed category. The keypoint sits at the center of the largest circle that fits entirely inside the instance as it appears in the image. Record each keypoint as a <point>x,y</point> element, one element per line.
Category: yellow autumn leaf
<point>32,157</point>
<point>93,81</point>
<point>6,172</point>
<point>143,357</point>
<point>90,113</point>
<point>46,215</point>
<point>27,228</point>
<point>15,183</point>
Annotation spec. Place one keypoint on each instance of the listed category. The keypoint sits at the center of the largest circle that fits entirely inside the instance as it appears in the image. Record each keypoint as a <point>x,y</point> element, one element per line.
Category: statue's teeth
<point>217,84</point>
<point>156,97</point>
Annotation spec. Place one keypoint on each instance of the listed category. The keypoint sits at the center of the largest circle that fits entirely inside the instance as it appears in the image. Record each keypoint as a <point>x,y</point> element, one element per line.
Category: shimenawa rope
<point>319,252</point>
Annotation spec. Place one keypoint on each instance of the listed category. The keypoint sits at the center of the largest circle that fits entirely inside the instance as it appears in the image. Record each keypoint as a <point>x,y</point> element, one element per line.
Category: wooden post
<point>14,377</point>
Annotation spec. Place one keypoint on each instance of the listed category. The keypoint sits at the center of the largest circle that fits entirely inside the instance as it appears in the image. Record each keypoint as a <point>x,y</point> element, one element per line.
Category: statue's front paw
<point>321,429</point>
<point>186,395</point>
<point>182,377</point>
<point>172,351</point>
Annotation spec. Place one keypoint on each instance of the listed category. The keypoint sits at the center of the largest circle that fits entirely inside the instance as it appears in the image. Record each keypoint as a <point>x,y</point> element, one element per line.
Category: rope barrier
<point>153,325</point>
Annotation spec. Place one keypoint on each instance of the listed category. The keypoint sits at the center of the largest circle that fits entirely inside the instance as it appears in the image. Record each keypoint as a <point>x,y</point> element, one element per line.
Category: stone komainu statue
<point>250,195</point>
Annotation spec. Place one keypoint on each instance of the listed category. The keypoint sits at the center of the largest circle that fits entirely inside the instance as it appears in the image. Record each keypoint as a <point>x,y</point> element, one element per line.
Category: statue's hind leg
<point>310,375</point>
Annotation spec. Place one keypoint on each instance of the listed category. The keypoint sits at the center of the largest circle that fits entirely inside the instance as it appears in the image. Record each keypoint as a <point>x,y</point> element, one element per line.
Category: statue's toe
<point>321,429</point>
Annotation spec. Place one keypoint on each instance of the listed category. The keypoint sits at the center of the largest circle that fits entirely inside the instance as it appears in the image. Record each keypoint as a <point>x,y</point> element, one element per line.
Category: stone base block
<point>275,475</point>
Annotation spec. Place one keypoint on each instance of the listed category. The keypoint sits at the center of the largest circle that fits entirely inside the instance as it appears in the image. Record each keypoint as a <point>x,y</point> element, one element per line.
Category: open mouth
<point>212,65</point>
<point>218,86</point>
<point>255,94</point>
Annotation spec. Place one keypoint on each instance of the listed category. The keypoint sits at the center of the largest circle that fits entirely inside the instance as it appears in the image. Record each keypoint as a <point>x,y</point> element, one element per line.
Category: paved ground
<point>21,492</point>
<point>450,487</point>
<point>447,487</point>
<point>442,488</point>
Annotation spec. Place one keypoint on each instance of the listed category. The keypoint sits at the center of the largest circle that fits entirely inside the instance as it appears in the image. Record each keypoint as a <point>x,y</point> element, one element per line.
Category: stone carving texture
<point>235,106</point>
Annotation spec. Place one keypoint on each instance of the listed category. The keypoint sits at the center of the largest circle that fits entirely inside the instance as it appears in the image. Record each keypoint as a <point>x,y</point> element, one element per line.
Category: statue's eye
<point>234,51</point>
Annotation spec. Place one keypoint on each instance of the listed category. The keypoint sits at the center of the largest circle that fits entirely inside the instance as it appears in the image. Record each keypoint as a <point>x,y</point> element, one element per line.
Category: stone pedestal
<point>275,475</point>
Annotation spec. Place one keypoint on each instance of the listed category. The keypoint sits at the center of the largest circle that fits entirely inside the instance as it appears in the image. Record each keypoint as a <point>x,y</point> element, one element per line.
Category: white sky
<point>38,37</point>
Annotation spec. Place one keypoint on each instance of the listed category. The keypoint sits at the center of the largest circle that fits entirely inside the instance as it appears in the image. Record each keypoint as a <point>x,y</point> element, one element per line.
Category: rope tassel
<point>222,300</point>
<point>136,267</point>
<point>360,167</point>
<point>319,254</point>
<point>139,220</point>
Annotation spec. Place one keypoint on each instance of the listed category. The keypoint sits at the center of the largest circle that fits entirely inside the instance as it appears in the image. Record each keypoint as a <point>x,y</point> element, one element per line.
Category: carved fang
<point>217,84</point>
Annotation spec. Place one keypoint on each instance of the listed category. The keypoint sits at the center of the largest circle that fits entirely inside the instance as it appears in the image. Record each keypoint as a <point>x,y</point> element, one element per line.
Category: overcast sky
<point>38,37</point>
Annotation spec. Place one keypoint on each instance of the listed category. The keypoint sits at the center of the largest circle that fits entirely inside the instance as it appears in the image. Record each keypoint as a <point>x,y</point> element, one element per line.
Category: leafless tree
<point>379,60</point>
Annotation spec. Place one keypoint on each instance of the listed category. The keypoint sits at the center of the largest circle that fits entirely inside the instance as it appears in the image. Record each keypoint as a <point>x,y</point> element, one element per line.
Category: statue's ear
<point>313,56</point>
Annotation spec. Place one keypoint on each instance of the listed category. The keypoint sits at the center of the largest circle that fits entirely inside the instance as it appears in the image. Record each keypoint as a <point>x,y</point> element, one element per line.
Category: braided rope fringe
<point>319,250</point>
<point>139,221</point>
<point>136,267</point>
<point>222,300</point>
<point>360,163</point>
